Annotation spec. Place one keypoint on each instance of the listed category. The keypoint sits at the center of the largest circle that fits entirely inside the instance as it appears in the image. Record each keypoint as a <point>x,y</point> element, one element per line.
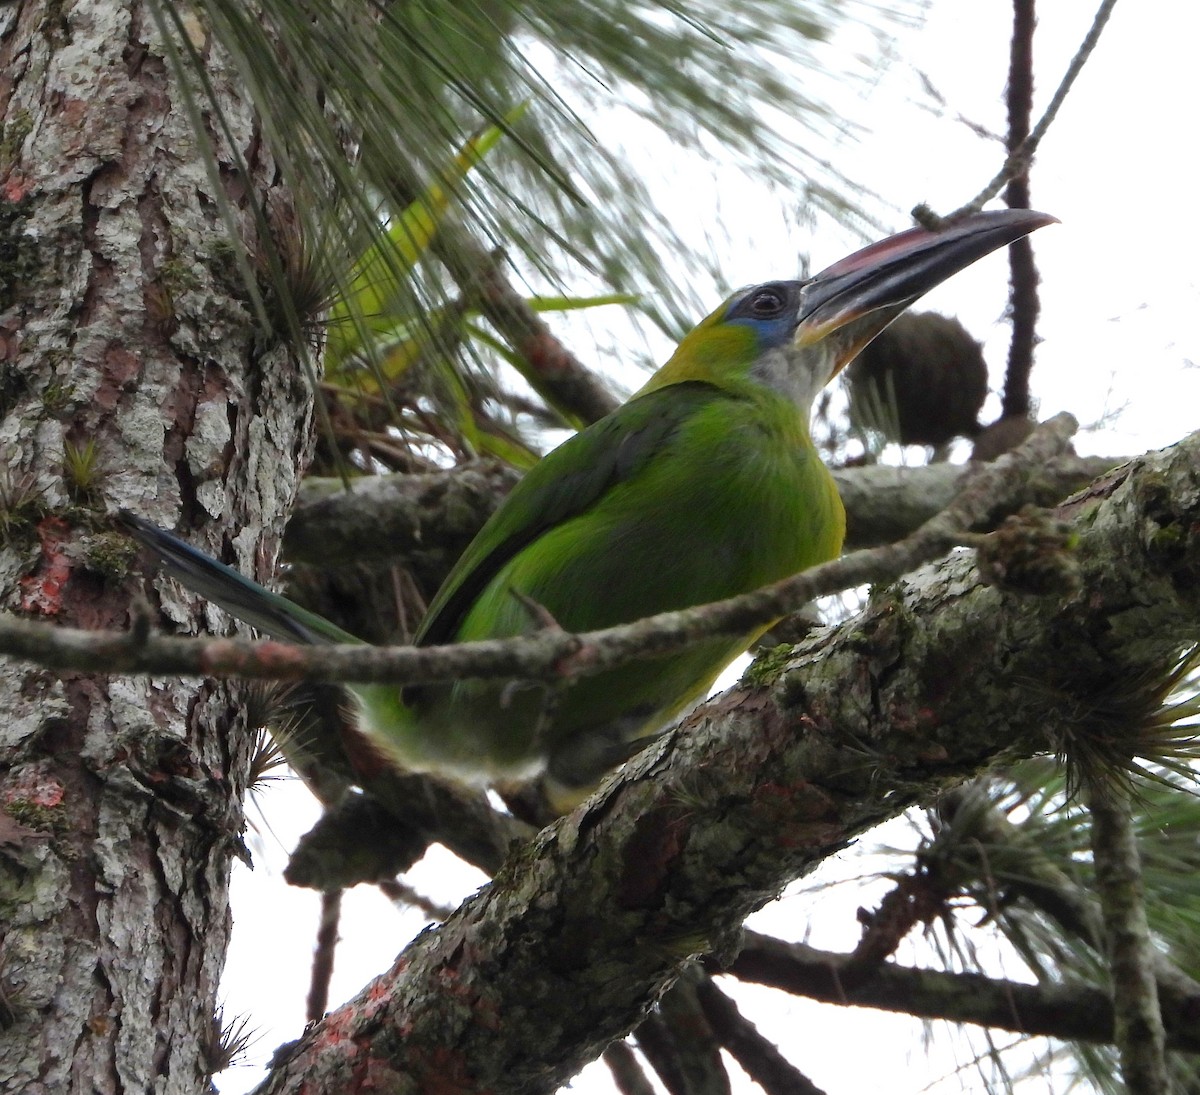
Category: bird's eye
<point>767,303</point>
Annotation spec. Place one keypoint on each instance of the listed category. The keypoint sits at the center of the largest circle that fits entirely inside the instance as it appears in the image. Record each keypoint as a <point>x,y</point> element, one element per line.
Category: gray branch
<point>1068,1011</point>
<point>426,520</point>
<point>939,677</point>
<point>1139,1032</point>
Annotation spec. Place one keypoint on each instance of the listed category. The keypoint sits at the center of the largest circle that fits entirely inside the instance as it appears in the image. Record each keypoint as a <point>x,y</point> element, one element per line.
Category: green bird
<point>705,484</point>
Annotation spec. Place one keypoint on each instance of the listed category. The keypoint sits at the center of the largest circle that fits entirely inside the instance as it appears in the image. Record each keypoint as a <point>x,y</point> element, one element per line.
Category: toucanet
<point>703,485</point>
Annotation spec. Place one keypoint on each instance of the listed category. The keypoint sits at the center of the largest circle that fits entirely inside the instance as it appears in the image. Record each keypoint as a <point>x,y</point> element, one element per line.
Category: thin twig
<point>1017,162</point>
<point>989,492</point>
<point>323,952</point>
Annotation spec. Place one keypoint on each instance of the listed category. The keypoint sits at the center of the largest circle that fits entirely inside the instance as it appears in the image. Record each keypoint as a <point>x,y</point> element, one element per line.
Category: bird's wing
<point>564,484</point>
<point>238,595</point>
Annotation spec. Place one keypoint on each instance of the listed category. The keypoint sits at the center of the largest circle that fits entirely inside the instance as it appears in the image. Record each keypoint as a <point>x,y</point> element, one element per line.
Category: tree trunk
<point>131,375</point>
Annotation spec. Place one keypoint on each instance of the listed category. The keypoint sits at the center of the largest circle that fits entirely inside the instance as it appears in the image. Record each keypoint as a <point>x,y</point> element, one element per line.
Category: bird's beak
<point>849,303</point>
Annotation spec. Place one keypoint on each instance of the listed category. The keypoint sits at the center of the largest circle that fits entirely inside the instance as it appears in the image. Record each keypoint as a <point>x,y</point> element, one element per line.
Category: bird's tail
<point>246,600</point>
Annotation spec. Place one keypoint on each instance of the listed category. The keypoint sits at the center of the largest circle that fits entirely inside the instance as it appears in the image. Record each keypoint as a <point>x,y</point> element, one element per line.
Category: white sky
<point>1119,297</point>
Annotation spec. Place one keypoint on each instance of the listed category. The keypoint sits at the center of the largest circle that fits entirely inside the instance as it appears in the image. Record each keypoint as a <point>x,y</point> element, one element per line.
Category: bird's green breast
<point>732,497</point>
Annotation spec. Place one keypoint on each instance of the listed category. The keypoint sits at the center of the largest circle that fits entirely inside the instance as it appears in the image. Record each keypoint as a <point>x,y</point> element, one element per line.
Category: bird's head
<point>796,336</point>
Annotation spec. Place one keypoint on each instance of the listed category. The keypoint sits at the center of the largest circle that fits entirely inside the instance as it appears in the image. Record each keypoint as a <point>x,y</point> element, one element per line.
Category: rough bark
<point>129,376</point>
<point>371,557</point>
<point>940,677</point>
<point>420,520</point>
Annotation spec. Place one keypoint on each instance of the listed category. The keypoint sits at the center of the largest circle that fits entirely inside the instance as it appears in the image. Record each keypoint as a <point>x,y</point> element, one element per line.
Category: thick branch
<point>939,677</point>
<point>424,521</point>
<point>1139,1030</point>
